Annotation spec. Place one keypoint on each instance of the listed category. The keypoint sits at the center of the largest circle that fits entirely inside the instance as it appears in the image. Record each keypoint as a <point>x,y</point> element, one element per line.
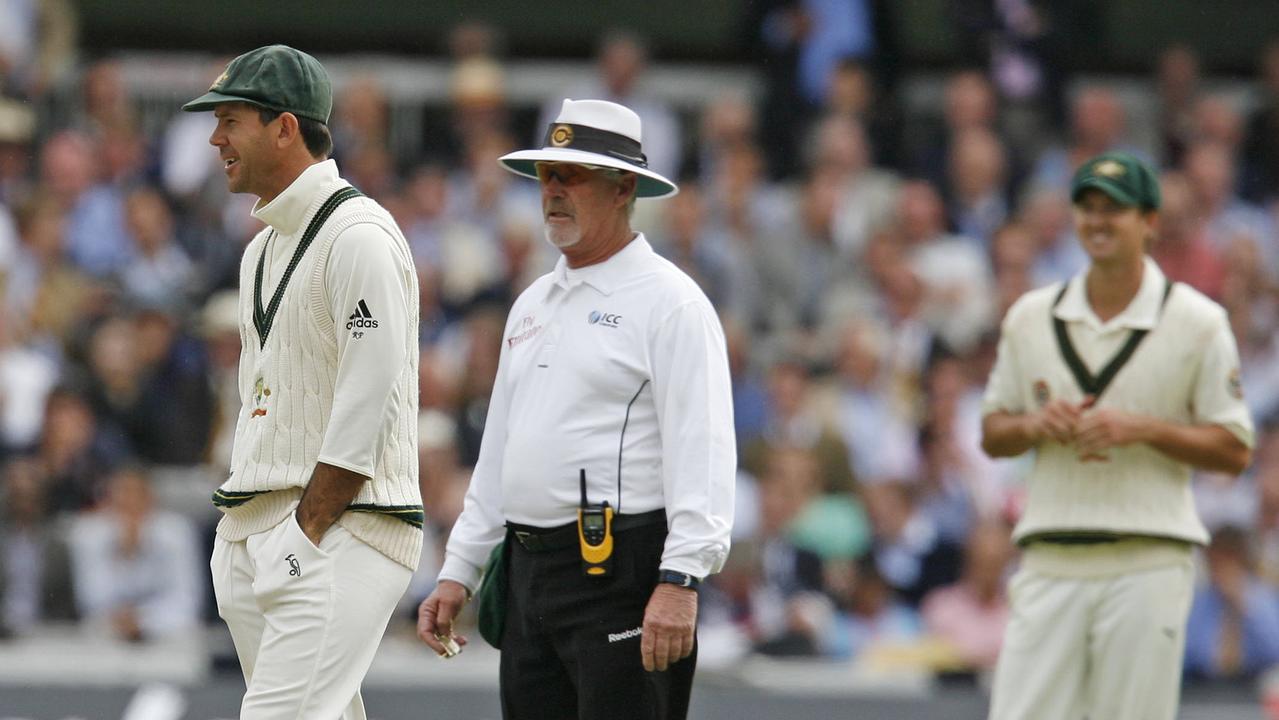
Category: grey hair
<point>616,176</point>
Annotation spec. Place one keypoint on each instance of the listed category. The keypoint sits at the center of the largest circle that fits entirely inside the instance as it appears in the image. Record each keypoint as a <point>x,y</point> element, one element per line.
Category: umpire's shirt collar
<point>287,211</point>
<point>1141,314</point>
<point>605,276</point>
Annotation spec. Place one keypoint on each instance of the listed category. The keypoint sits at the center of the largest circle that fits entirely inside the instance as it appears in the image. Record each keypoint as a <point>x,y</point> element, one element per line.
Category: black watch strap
<point>675,577</point>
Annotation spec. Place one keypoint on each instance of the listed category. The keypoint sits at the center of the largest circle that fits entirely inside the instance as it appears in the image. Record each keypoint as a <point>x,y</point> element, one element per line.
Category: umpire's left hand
<point>669,622</point>
<point>436,613</point>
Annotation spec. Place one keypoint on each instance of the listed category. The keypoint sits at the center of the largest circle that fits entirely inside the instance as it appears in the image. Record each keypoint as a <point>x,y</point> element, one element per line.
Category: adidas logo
<point>361,318</point>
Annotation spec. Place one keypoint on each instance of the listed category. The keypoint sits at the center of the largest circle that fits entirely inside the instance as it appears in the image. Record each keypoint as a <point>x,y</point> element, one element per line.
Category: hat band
<point>594,140</point>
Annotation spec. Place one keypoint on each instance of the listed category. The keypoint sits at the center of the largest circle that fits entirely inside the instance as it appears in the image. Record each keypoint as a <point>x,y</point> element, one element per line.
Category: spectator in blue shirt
<point>1233,629</point>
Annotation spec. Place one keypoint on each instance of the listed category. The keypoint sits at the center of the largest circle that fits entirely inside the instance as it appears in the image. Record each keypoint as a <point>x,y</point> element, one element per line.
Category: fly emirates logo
<point>524,330</point>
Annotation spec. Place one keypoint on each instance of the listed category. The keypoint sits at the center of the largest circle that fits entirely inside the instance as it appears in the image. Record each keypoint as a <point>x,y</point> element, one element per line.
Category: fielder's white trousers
<point>306,621</point>
<point>1101,648</point>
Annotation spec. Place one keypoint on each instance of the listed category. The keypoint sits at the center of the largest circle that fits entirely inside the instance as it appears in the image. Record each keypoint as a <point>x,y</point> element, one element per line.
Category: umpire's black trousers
<point>571,643</point>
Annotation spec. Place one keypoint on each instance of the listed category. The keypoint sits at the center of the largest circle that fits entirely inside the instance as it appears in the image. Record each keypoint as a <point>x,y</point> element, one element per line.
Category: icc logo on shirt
<point>606,319</point>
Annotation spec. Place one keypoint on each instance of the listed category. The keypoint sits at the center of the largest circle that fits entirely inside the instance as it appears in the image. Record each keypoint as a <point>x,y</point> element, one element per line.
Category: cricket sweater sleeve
<point>482,523</point>
<point>1218,393</point>
<point>369,299</point>
<point>1003,388</point>
<point>693,396</point>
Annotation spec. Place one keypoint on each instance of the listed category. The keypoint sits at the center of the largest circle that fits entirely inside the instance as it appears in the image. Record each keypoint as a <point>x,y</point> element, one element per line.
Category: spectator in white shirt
<point>138,570</point>
<point>35,573</point>
<point>161,274</point>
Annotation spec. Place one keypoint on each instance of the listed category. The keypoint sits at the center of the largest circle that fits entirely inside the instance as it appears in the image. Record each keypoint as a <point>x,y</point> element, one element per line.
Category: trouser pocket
<point>289,562</point>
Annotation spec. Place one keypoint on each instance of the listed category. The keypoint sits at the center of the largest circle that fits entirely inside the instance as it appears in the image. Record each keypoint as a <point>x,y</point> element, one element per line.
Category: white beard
<point>561,238</point>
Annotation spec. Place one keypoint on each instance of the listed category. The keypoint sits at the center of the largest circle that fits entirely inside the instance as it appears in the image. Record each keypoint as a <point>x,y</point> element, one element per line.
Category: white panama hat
<point>597,133</point>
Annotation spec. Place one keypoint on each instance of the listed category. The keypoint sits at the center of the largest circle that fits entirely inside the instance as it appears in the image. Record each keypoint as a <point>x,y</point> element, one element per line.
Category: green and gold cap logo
<point>1108,168</point>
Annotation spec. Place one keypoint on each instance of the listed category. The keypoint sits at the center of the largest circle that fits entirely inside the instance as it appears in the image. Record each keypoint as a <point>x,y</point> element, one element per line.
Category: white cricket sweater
<point>336,379</point>
<point>1186,371</point>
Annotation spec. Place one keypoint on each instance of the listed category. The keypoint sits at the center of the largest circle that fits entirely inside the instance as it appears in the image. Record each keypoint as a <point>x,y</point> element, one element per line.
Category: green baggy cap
<point>276,77</point>
<point>1127,180</point>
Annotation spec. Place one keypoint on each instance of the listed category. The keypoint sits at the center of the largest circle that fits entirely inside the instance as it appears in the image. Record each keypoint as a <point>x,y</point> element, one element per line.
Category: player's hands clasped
<point>1057,421</point>
<point>435,618</point>
<point>1104,428</point>
<point>1091,430</point>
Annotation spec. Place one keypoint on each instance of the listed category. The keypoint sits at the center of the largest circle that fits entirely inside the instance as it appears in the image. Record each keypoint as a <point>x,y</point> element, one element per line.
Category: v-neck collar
<point>1094,385</point>
<point>263,318</point>
<point>1142,312</point>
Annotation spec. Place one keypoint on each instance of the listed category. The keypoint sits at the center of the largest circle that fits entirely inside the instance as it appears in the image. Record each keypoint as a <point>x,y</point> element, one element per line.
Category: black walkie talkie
<point>595,535</point>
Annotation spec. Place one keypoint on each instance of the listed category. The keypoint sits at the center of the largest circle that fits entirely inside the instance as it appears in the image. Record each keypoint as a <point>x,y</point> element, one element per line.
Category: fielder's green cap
<point>1127,180</point>
<point>276,77</point>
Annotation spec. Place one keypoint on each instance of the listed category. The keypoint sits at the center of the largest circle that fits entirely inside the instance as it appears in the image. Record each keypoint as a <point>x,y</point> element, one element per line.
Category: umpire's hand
<point>669,622</point>
<point>436,613</point>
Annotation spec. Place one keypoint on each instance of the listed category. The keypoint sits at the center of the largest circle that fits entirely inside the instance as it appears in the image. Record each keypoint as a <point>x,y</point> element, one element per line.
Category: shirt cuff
<point>699,565</point>
<point>461,571</point>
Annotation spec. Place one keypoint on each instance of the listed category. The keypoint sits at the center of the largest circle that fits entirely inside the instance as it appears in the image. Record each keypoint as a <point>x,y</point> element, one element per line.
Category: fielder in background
<point>322,516</point>
<point>1122,382</point>
<point>608,457</point>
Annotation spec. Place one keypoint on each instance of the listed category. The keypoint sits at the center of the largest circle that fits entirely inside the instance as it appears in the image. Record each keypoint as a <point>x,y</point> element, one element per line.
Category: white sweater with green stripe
<point>330,375</point>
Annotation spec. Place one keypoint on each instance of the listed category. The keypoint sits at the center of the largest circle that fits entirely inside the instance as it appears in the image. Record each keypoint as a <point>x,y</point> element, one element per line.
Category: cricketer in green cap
<point>325,250</point>
<point>1125,179</point>
<point>275,77</point>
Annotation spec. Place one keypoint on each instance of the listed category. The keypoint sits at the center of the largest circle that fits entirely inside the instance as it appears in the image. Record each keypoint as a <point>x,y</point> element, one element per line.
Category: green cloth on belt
<point>491,598</point>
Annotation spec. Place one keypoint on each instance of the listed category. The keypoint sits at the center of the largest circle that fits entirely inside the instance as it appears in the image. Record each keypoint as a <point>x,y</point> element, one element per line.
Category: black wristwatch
<point>678,578</point>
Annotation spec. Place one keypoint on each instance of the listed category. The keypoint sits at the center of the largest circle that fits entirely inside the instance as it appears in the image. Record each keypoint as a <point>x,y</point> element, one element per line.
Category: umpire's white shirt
<point>1186,370</point>
<point>619,368</point>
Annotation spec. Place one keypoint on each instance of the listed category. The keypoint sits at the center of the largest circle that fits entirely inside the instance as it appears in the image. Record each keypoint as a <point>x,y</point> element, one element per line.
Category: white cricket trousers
<point>306,621</point>
<point>1101,648</point>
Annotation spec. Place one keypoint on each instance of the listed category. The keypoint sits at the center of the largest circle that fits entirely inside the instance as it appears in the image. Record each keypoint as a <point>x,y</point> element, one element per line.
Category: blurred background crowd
<point>861,253</point>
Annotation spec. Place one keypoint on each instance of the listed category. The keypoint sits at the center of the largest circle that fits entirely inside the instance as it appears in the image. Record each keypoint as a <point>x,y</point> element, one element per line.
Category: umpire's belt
<point>539,539</point>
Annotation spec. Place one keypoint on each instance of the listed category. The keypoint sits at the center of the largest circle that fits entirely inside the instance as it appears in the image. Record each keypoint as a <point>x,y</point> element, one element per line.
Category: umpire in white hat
<point>608,460</point>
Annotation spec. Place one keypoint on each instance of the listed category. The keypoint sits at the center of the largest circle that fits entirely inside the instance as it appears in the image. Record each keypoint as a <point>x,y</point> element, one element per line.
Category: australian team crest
<point>1108,168</point>
<point>260,394</point>
<point>1235,384</point>
<point>218,83</point>
<point>1042,392</point>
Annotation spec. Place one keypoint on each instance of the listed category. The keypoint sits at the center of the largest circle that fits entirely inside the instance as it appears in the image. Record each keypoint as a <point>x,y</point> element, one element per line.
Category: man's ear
<point>627,187</point>
<point>1152,219</point>
<point>1152,222</point>
<point>288,131</point>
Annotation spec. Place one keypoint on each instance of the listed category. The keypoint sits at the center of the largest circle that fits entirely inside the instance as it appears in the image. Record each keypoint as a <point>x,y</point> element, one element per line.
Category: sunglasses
<point>567,173</point>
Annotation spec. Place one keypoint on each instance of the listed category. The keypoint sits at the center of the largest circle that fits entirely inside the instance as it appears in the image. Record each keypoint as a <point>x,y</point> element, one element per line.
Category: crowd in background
<point>861,258</point>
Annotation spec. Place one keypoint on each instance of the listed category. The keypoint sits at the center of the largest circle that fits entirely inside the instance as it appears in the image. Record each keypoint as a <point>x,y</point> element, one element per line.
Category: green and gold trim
<point>411,514</point>
<point>1088,384</point>
<point>263,318</point>
<point>234,498</point>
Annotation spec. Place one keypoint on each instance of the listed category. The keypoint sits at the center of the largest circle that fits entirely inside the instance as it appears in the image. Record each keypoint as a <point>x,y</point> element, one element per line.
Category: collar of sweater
<point>286,212</point>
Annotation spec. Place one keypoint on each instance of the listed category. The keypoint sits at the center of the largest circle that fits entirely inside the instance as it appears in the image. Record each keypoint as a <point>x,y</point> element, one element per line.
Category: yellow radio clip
<point>595,535</point>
